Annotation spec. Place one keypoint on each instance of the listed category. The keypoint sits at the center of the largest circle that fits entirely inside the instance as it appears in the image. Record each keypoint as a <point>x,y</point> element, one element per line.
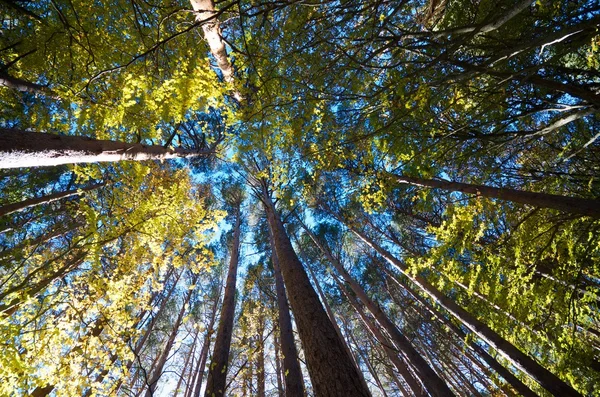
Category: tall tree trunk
<point>280,392</point>
<point>334,322</point>
<point>207,15</point>
<point>260,358</point>
<point>331,369</point>
<point>515,382</point>
<point>142,341</point>
<point>520,360</point>
<point>217,372</point>
<point>199,375</point>
<point>189,356</point>
<point>291,366</point>
<point>367,362</point>
<point>433,383</point>
<point>25,86</point>
<point>389,348</point>
<point>35,149</point>
<point>32,202</point>
<point>574,205</point>
<point>158,370</point>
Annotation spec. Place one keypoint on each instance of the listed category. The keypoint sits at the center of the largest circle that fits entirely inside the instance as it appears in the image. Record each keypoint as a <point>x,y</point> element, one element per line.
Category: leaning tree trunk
<point>545,378</point>
<point>433,383</point>
<point>199,375</point>
<point>388,346</point>
<point>35,149</point>
<point>50,198</point>
<point>512,380</point>
<point>26,86</point>
<point>158,371</point>
<point>217,372</point>
<point>207,15</point>
<point>331,369</point>
<point>574,205</point>
<point>291,366</point>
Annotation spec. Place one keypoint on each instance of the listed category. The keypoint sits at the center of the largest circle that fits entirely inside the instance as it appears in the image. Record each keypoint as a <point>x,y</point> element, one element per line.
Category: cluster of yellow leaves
<point>137,229</point>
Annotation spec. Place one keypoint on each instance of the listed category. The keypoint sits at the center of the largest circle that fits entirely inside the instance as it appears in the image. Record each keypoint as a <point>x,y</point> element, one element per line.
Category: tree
<point>217,374</point>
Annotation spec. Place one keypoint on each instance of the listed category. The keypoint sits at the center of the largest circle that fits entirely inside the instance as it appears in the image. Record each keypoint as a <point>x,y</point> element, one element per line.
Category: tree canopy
<point>288,198</point>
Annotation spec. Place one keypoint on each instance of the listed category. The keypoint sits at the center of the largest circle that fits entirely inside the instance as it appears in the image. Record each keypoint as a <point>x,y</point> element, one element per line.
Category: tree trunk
<point>433,383</point>
<point>278,367</point>
<point>206,13</point>
<point>520,360</point>
<point>260,358</point>
<point>291,366</point>
<point>334,323</point>
<point>35,149</point>
<point>574,205</point>
<point>142,341</point>
<point>515,382</point>
<point>156,374</point>
<point>331,369</point>
<point>204,352</point>
<point>389,348</point>
<point>189,356</point>
<point>217,373</point>
<point>25,86</point>
<point>32,202</point>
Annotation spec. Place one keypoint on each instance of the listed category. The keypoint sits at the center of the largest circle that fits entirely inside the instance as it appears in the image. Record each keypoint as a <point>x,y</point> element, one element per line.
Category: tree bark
<point>217,373</point>
<point>35,149</point>
<point>574,205</point>
<point>433,383</point>
<point>206,13</point>
<point>291,366</point>
<point>389,348</point>
<point>204,352</point>
<point>158,370</point>
<point>545,378</point>
<point>189,356</point>
<point>331,369</point>
<point>280,392</point>
<point>515,382</point>
<point>32,202</point>
<point>25,86</point>
<point>260,358</point>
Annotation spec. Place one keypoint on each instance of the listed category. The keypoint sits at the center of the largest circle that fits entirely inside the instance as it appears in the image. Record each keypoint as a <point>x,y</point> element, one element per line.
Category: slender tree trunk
<point>520,360</point>
<point>574,205</point>
<point>389,348</point>
<point>189,356</point>
<point>331,369</point>
<point>142,341</point>
<point>24,85</point>
<point>32,202</point>
<point>206,13</point>
<point>334,322</point>
<point>433,383</point>
<point>515,382</point>
<point>12,4</point>
<point>260,358</point>
<point>217,372</point>
<point>367,362</point>
<point>35,149</point>
<point>199,375</point>
<point>158,370</point>
<point>291,366</point>
<point>280,392</point>
<point>11,307</point>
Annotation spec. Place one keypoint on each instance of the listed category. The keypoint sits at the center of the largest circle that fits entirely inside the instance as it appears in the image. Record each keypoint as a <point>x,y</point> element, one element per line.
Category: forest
<point>330,198</point>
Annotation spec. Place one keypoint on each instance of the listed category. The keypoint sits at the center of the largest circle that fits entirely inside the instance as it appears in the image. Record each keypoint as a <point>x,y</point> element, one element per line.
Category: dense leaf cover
<point>415,182</point>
